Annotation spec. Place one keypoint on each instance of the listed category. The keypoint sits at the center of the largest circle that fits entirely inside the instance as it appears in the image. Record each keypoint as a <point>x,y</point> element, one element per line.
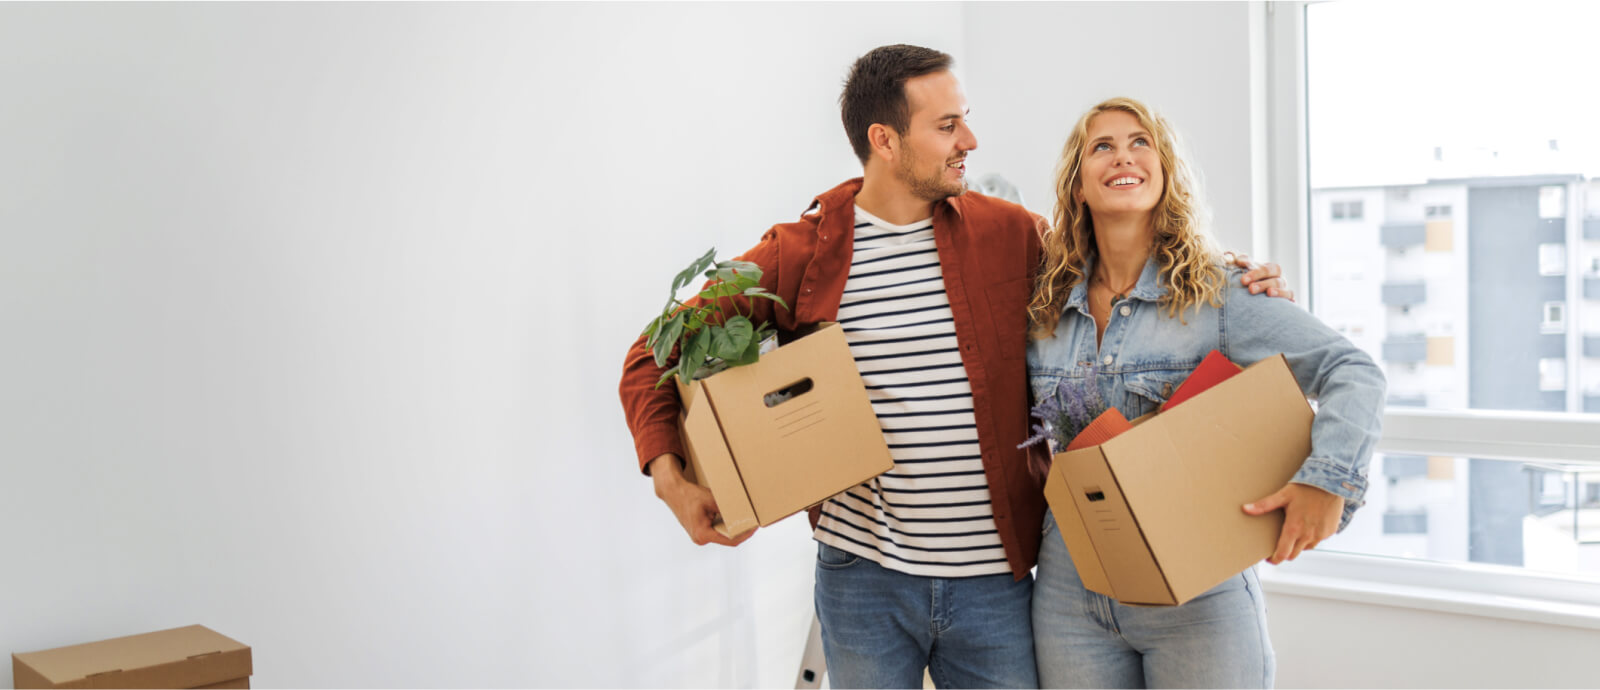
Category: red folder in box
<point>1214,369</point>
<point>1102,429</point>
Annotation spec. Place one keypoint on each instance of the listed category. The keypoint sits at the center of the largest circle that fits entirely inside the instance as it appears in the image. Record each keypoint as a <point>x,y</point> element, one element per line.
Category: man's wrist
<point>665,467</point>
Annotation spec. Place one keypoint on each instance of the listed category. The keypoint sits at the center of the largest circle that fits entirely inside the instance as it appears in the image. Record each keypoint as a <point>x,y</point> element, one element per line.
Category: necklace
<point>1117,295</point>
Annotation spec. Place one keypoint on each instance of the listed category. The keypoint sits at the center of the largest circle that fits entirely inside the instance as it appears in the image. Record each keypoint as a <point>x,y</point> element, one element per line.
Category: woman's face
<point>1121,172</point>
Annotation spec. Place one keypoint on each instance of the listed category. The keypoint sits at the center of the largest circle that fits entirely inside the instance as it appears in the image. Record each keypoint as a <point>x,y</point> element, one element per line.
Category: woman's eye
<point>1102,146</point>
<point>1141,141</point>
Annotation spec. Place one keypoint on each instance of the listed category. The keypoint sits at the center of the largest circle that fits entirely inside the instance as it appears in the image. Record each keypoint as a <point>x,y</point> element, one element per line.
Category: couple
<point>954,303</point>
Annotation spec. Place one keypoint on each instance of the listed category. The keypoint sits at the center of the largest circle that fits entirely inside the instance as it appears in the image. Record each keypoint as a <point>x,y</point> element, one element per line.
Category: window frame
<point>1480,589</point>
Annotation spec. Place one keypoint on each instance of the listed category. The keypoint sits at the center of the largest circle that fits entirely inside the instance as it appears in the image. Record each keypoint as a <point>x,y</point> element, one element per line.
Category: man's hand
<point>1266,278</point>
<point>691,503</point>
<point>1310,515</point>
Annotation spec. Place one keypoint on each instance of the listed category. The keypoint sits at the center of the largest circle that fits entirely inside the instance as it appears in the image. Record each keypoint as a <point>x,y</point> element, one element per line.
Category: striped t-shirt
<point>930,514</point>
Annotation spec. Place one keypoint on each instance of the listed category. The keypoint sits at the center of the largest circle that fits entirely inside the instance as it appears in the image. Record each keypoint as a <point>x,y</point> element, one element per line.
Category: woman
<point>1131,294</point>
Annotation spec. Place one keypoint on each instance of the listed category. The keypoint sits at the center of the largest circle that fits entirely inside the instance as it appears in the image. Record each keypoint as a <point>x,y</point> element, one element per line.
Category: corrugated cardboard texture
<point>710,464</point>
<point>1118,543</point>
<point>800,452</point>
<point>185,657</point>
<point>1075,534</point>
<point>1170,524</point>
<point>1237,442</point>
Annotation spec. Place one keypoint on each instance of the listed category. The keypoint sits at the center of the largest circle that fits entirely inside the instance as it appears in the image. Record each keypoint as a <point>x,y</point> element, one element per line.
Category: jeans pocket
<point>835,559</point>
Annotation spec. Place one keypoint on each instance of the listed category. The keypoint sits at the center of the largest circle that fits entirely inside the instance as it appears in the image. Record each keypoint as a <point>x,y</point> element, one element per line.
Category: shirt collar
<point>1150,288</point>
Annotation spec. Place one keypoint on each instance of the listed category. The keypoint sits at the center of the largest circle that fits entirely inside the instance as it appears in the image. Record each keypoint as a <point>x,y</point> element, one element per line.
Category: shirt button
<point>1106,360</point>
<point>824,238</point>
<point>1126,310</point>
<point>808,291</point>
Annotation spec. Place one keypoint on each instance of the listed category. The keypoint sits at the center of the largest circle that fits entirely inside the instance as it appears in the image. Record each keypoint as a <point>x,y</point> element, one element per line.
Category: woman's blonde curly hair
<point>1189,265</point>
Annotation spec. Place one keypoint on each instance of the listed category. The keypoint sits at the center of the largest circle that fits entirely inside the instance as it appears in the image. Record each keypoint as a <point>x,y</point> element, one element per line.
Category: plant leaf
<point>694,355</point>
<point>730,341</point>
<point>752,352</point>
<point>688,274</point>
<point>669,334</point>
<point>719,290</point>
<point>762,293</point>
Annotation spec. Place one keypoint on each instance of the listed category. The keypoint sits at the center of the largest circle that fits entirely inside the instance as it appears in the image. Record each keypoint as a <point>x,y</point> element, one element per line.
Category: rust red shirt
<point>989,251</point>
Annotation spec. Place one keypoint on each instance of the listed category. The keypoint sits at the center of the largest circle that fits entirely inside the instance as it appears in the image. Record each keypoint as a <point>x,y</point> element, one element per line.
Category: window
<point>1552,202</point>
<point>1553,318</point>
<point>1347,210</point>
<point>1552,259</point>
<point>1492,403</point>
<point>1553,374</point>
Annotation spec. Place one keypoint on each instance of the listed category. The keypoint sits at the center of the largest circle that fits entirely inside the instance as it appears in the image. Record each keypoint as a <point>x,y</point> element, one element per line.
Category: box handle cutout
<point>787,393</point>
<point>1094,493</point>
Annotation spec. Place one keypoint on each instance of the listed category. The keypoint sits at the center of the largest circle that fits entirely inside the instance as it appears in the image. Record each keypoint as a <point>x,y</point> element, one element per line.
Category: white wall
<point>1034,68</point>
<point>311,315</point>
<point>311,318</point>
<point>1324,643</point>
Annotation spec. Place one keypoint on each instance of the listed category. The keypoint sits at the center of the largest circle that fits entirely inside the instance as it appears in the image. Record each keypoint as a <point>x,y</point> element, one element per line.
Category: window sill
<point>1460,588</point>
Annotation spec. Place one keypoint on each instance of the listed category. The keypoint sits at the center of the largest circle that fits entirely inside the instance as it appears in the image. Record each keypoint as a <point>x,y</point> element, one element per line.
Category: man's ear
<point>884,141</point>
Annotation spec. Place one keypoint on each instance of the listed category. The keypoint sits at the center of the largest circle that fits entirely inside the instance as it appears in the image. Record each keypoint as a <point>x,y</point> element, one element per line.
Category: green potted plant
<point>708,337</point>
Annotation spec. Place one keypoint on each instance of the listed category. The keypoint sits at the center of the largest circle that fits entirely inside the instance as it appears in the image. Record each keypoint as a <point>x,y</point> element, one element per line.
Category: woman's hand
<point>1310,515</point>
<point>1266,277</point>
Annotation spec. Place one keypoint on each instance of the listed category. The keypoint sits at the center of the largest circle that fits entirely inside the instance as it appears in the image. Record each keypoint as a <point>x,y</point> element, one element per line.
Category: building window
<point>1553,201</point>
<point>1553,374</point>
<point>1553,318</point>
<point>1347,210</point>
<point>1553,259</point>
<point>1441,211</point>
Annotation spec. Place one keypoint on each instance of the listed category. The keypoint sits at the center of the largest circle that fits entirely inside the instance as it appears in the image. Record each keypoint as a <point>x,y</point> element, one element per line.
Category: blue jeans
<point>1088,640</point>
<point>881,628</point>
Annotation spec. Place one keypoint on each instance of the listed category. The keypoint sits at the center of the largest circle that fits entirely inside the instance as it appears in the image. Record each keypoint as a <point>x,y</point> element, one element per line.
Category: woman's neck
<point>1123,245</point>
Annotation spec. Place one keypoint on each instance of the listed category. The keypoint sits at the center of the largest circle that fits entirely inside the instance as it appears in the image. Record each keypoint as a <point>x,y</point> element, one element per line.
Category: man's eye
<point>948,128</point>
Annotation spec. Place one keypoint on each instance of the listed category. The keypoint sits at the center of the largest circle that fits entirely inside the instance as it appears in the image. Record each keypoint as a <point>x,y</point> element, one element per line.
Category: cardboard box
<point>765,462</point>
<point>1153,516</point>
<point>190,657</point>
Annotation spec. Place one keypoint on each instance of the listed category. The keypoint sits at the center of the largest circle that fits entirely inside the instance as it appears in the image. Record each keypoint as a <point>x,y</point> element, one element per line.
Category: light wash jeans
<point>881,627</point>
<point>1088,640</point>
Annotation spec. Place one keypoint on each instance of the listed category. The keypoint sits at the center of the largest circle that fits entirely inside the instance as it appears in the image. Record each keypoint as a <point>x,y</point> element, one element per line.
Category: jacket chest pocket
<point>1148,390</point>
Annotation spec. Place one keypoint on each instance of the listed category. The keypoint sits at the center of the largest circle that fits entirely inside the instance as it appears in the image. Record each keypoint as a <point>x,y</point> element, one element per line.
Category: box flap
<point>1118,542</point>
<point>1188,471</point>
<point>822,439</point>
<point>178,658</point>
<point>1074,534</point>
<point>711,464</point>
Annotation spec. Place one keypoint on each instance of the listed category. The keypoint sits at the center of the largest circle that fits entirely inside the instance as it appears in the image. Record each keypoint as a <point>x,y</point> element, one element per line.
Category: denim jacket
<point>1146,354</point>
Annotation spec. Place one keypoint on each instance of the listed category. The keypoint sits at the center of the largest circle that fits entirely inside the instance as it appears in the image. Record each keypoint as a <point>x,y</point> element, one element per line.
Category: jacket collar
<point>842,200</point>
<point>1150,288</point>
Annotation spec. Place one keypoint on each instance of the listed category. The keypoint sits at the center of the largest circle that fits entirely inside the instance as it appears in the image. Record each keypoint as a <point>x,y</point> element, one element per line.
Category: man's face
<point>932,161</point>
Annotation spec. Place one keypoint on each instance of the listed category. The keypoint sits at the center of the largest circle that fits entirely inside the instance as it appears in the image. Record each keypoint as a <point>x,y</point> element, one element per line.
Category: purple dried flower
<point>1067,410</point>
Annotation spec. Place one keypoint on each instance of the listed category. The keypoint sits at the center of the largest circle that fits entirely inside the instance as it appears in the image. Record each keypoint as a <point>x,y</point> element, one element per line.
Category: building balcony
<point>1408,400</point>
<point>1401,235</point>
<point>1404,466</point>
<point>1409,294</point>
<point>1405,522</point>
<point>1405,348</point>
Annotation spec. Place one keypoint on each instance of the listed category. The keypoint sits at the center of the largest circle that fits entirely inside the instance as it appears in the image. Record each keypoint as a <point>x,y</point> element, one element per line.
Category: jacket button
<point>1106,360</point>
<point>1126,310</point>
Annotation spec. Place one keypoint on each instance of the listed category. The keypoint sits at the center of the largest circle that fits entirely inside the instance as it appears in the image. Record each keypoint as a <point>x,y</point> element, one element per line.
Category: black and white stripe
<point>931,514</point>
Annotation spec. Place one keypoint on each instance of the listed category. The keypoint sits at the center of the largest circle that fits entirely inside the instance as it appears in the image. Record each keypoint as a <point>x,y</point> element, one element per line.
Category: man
<point>926,566</point>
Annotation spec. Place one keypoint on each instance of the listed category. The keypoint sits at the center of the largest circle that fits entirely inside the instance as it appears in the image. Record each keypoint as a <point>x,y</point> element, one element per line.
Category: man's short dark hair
<point>875,91</point>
